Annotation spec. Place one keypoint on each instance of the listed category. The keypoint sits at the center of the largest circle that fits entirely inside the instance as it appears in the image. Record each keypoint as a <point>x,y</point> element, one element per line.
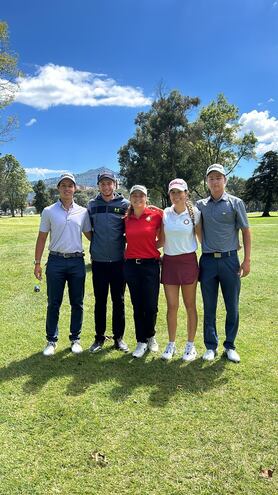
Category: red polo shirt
<point>141,234</point>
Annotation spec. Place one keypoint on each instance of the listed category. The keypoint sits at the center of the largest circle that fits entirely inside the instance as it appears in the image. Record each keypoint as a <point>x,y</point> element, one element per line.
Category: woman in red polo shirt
<point>141,268</point>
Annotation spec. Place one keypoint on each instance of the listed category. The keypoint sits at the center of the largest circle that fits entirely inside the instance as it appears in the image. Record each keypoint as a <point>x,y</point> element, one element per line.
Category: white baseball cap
<point>137,187</point>
<point>216,167</point>
<point>179,184</point>
<point>66,176</point>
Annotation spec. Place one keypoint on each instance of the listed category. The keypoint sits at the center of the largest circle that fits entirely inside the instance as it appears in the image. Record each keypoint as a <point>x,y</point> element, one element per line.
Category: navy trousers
<point>60,270</point>
<point>223,272</point>
<point>105,276</point>
<point>143,283</point>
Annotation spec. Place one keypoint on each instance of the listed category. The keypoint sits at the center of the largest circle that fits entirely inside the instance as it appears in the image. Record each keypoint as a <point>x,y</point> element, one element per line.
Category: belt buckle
<point>217,255</point>
<point>138,261</point>
<point>66,255</point>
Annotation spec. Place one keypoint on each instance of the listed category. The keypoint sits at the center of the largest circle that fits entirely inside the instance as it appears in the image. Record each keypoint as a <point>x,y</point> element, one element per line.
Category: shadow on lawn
<point>164,379</point>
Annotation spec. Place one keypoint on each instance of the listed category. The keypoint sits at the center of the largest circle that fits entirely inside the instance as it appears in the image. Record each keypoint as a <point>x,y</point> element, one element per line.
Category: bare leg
<point>189,299</point>
<point>172,298</point>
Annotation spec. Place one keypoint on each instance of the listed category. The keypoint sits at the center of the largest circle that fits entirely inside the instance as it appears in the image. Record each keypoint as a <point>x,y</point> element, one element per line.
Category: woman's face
<point>178,197</point>
<point>138,199</point>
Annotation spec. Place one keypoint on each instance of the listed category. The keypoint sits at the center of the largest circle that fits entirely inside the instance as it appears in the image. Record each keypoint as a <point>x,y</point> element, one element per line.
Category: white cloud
<point>264,127</point>
<point>54,85</point>
<point>31,122</point>
<point>270,100</point>
<point>42,172</point>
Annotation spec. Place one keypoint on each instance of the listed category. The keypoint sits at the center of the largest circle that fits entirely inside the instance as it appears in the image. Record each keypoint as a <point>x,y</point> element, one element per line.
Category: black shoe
<point>96,346</point>
<point>121,345</point>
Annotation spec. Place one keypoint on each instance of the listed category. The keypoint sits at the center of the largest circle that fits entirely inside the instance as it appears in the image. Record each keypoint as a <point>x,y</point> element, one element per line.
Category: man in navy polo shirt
<point>223,215</point>
<point>65,221</point>
<point>107,212</point>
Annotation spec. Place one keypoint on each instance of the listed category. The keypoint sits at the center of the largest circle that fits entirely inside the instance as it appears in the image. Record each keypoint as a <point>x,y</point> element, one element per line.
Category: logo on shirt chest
<point>148,219</point>
<point>186,221</point>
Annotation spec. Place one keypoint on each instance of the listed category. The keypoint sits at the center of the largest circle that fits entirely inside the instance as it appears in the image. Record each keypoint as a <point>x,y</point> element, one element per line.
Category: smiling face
<point>178,197</point>
<point>66,190</point>
<point>216,183</point>
<point>107,188</point>
<point>138,200</point>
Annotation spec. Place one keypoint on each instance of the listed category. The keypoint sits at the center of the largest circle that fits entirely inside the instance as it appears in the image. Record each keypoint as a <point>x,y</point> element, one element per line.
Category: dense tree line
<point>14,184</point>
<point>166,144</point>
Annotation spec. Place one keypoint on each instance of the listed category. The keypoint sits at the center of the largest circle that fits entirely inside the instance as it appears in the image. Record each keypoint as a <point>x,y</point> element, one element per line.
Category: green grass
<point>165,428</point>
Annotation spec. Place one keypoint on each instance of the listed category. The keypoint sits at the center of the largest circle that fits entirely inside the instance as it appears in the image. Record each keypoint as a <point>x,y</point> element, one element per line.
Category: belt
<point>221,255</point>
<point>140,261</point>
<point>67,255</point>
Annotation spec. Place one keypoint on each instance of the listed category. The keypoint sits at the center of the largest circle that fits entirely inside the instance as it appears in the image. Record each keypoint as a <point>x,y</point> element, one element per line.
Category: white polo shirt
<point>65,227</point>
<point>179,231</point>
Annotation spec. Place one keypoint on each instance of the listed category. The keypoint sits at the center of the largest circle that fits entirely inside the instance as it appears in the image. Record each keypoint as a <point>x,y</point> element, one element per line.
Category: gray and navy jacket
<point>107,220</point>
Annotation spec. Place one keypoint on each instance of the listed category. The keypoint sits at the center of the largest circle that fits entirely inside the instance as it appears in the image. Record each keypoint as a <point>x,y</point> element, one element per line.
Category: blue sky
<point>91,65</point>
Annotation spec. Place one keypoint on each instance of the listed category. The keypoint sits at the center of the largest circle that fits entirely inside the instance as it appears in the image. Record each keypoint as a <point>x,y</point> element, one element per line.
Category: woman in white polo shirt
<point>181,223</point>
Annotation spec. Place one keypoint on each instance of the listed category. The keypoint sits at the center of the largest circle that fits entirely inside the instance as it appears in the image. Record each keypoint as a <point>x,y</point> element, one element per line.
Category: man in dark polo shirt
<point>107,212</point>
<point>223,215</point>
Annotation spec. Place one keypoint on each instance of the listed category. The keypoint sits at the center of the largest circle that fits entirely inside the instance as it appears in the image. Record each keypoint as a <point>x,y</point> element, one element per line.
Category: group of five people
<point>125,238</point>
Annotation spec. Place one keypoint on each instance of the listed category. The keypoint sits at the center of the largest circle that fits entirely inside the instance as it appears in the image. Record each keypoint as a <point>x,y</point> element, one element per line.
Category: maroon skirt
<point>181,269</point>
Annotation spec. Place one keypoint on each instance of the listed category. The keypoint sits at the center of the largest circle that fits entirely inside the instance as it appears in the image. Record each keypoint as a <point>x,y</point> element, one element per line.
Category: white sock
<point>189,344</point>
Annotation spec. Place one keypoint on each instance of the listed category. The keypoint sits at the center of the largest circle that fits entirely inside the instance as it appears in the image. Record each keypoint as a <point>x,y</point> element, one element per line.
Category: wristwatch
<point>37,262</point>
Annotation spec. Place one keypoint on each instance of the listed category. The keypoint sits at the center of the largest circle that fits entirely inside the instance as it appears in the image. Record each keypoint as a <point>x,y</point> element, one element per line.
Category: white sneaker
<point>152,344</point>
<point>190,353</point>
<point>76,347</point>
<point>169,351</point>
<point>232,355</point>
<point>209,355</point>
<point>140,349</point>
<point>49,350</point>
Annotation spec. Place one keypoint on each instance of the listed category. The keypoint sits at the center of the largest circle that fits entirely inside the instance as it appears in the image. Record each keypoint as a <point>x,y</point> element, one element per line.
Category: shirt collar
<point>224,197</point>
<point>175,213</point>
<point>73,204</point>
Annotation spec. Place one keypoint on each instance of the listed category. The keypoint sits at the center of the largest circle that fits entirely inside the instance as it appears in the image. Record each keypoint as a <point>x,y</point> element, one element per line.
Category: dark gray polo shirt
<point>221,222</point>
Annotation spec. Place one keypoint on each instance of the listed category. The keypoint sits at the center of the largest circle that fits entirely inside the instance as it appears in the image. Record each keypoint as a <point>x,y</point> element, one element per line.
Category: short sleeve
<point>45,225</point>
<point>241,215</point>
<point>87,223</point>
<point>197,215</point>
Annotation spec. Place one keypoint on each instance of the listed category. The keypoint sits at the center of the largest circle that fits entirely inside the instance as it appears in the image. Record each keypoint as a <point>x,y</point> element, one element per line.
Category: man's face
<point>216,183</point>
<point>66,189</point>
<point>107,188</point>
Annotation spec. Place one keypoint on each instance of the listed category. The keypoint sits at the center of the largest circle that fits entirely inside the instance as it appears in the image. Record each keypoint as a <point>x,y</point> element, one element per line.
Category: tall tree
<point>17,186</point>
<point>8,85</point>
<point>221,140</point>
<point>161,146</point>
<point>263,185</point>
<point>42,198</point>
<point>236,186</point>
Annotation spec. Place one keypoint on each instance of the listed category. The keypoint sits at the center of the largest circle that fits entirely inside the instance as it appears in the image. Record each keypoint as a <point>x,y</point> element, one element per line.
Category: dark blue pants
<point>223,272</point>
<point>60,270</point>
<point>143,283</point>
<point>107,275</point>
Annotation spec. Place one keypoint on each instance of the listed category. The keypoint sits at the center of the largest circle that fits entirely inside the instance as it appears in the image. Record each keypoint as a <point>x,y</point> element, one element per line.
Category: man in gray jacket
<point>107,213</point>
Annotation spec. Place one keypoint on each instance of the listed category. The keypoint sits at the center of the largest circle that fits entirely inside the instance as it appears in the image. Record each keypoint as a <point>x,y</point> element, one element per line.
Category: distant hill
<point>86,179</point>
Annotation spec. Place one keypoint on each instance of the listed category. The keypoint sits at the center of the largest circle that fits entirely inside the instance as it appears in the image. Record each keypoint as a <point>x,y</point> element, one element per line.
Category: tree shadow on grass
<point>165,379</point>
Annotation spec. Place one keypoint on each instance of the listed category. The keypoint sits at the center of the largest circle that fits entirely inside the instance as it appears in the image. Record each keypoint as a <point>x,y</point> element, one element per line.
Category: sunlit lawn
<point>165,428</point>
